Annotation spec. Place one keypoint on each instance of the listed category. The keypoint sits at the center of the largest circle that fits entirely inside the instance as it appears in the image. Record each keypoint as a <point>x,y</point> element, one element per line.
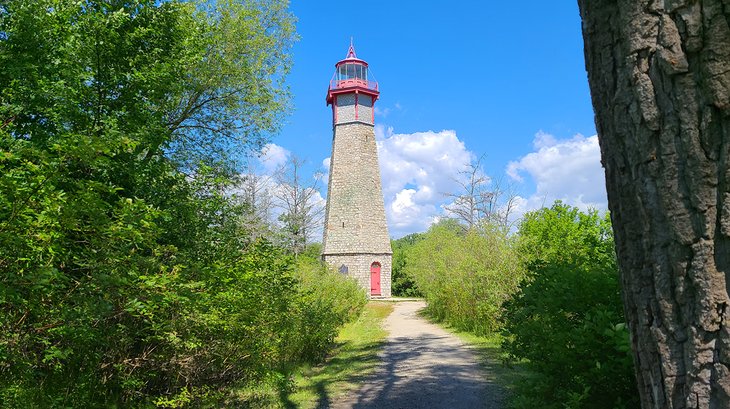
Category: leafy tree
<point>465,275</point>
<point>126,274</point>
<point>567,320</point>
<point>403,283</point>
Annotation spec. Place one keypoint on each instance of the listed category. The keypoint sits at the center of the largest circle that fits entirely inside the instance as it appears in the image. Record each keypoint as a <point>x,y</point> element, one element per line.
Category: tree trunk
<point>659,73</point>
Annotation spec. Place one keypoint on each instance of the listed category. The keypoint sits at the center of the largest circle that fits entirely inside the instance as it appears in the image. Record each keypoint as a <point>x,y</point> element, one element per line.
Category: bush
<point>327,300</point>
<point>121,319</point>
<point>403,283</point>
<point>465,275</point>
<point>567,318</point>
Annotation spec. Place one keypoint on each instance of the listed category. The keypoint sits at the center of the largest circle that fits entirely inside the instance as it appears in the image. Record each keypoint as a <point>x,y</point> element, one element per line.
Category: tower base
<point>364,267</point>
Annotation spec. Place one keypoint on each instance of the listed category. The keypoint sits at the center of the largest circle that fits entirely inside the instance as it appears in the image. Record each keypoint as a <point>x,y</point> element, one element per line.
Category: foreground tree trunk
<point>659,73</point>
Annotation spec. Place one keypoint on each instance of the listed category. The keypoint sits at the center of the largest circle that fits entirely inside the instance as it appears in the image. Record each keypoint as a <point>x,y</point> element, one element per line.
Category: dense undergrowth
<point>465,275</point>
<point>128,277</point>
<point>550,291</point>
<point>353,359</point>
<point>567,319</point>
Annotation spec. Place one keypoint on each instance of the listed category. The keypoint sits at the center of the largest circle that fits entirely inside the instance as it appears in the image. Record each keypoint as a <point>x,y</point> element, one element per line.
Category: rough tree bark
<point>659,73</point>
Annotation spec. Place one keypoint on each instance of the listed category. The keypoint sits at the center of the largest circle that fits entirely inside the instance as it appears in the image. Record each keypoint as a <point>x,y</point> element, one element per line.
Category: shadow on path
<point>423,366</point>
<point>363,357</point>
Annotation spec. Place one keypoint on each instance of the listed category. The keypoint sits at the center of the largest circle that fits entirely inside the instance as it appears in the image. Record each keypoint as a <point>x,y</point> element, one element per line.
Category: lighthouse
<point>356,240</point>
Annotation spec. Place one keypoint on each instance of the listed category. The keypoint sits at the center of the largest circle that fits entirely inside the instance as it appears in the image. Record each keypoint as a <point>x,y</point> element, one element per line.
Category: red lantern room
<point>352,85</point>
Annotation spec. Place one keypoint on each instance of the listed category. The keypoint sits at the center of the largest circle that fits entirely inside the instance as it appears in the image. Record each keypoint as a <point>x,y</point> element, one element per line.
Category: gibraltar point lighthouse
<point>356,240</point>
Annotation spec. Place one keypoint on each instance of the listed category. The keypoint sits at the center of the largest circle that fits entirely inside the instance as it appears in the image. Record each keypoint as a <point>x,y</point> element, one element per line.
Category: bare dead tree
<point>254,190</point>
<point>481,198</point>
<point>302,214</point>
<point>504,202</point>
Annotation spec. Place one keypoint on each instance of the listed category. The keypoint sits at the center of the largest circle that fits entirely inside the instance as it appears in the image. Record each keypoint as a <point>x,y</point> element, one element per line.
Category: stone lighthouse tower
<point>356,240</point>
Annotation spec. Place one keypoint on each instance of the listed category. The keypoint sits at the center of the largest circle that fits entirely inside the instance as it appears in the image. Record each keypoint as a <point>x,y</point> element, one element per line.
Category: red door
<point>375,279</point>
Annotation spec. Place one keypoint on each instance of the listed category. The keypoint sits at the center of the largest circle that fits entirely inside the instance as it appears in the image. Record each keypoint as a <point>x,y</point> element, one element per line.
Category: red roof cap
<point>351,57</point>
<point>351,51</point>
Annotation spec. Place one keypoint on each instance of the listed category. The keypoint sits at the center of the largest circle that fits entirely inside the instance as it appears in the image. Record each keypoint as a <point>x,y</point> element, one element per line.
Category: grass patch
<point>353,358</point>
<point>493,359</point>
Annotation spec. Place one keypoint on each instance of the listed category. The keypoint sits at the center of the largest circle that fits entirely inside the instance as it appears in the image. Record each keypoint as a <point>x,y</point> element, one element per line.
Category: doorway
<point>375,279</point>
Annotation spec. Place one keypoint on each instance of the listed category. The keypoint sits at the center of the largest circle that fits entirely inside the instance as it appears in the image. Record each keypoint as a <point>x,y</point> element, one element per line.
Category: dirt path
<point>423,366</point>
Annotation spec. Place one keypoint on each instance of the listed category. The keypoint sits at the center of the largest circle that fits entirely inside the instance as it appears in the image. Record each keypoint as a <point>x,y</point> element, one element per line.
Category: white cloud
<point>544,140</point>
<point>417,171</point>
<point>565,169</point>
<point>273,156</point>
<point>407,214</point>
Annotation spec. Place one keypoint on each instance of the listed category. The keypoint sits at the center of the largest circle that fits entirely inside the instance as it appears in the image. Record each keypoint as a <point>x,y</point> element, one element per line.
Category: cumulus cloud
<point>407,214</point>
<point>417,171</point>
<point>565,169</point>
<point>273,156</point>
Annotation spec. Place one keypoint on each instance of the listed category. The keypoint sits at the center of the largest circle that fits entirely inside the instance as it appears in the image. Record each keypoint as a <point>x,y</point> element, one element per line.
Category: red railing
<point>353,82</point>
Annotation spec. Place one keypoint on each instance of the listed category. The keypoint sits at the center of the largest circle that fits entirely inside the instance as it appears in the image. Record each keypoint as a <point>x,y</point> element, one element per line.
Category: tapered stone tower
<point>356,239</point>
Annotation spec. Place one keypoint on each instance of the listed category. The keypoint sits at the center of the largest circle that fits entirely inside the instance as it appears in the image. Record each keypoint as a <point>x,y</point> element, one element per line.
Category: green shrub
<point>403,284</point>
<point>465,275</point>
<point>567,319</point>
<point>327,300</point>
<point>121,319</point>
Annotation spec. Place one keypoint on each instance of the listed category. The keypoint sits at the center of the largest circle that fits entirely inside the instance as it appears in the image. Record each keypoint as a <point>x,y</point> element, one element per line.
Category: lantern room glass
<point>352,72</point>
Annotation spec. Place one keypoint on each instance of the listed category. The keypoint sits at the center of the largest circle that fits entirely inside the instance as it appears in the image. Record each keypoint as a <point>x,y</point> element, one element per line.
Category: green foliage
<point>312,252</point>
<point>126,274</point>
<point>354,357</point>
<point>465,275</point>
<point>327,301</point>
<point>565,235</point>
<point>567,318</point>
<point>402,283</point>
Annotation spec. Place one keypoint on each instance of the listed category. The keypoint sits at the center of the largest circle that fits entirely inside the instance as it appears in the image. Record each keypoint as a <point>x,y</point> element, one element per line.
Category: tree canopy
<point>566,319</point>
<point>126,276</point>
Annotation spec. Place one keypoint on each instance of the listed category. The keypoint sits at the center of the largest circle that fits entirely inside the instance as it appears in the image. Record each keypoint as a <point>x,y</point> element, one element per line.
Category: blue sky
<point>503,79</point>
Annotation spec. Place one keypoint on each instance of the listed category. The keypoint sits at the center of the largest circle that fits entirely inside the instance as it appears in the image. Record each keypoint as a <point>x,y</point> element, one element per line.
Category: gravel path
<point>424,366</point>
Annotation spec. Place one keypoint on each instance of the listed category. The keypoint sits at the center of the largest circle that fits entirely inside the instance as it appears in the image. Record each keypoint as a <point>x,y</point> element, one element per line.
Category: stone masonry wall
<point>355,231</point>
<point>365,108</point>
<point>358,267</point>
<point>355,216</point>
<point>345,107</point>
<point>347,111</point>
